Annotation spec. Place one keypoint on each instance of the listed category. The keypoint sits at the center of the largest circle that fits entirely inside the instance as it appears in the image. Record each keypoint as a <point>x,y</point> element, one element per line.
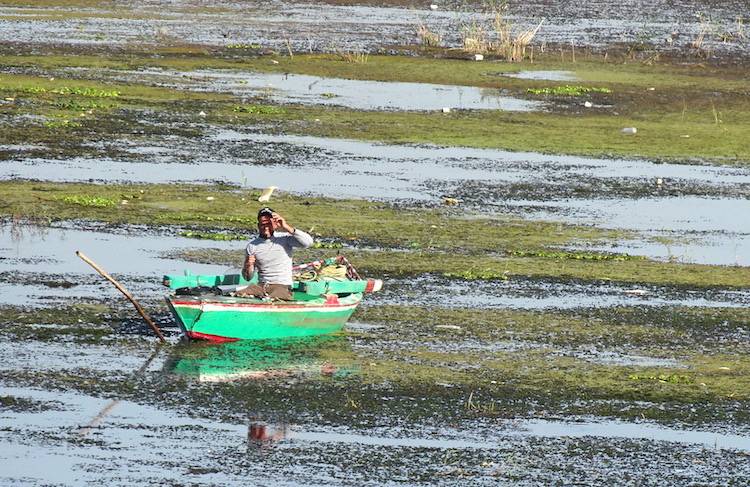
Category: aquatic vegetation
<point>259,109</point>
<point>62,124</point>
<point>320,244</point>
<point>90,201</point>
<point>483,274</point>
<point>240,45</point>
<point>33,89</point>
<point>552,254</point>
<point>666,378</point>
<point>568,90</point>
<point>87,91</point>
<point>213,236</point>
<point>79,106</point>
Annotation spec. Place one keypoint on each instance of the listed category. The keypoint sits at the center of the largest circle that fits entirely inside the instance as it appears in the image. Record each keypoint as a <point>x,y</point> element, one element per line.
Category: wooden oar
<point>123,291</point>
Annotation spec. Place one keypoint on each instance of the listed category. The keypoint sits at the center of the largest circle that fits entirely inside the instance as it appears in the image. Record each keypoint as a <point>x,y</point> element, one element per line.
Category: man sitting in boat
<point>271,254</point>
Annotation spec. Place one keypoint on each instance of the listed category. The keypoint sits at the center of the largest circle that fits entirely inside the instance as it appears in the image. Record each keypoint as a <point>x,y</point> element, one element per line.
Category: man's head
<point>266,222</point>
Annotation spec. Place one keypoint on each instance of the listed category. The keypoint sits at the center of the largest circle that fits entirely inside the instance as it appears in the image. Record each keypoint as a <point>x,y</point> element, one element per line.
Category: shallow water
<point>49,254</point>
<point>520,293</point>
<point>81,437</point>
<point>39,267</point>
<point>350,93</point>
<point>543,75</point>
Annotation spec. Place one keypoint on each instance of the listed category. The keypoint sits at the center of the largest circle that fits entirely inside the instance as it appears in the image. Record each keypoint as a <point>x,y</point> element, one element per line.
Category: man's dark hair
<point>265,211</point>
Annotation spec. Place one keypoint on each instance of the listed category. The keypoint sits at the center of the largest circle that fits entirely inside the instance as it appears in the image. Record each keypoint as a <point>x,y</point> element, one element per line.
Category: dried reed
<point>426,37</point>
<point>354,57</point>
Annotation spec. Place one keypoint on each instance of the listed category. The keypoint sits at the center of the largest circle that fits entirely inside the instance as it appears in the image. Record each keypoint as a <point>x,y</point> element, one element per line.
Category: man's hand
<point>248,267</point>
<point>281,221</point>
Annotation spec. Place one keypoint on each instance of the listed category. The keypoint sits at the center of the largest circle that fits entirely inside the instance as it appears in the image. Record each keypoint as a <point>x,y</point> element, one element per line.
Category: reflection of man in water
<point>271,254</point>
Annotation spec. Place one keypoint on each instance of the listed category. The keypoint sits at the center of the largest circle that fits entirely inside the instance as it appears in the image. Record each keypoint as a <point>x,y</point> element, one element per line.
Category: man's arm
<point>304,239</point>
<point>248,267</point>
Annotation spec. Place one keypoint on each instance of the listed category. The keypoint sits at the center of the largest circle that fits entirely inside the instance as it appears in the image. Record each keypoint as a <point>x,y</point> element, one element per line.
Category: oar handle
<point>123,291</point>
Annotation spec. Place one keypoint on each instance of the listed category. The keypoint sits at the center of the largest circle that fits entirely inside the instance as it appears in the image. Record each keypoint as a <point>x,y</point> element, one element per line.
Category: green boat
<point>206,309</point>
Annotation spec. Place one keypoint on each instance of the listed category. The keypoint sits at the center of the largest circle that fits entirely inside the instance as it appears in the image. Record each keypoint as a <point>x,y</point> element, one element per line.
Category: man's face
<point>266,226</point>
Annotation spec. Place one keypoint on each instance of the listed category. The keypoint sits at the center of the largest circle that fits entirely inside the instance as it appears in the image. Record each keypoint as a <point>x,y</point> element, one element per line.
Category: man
<point>271,254</point>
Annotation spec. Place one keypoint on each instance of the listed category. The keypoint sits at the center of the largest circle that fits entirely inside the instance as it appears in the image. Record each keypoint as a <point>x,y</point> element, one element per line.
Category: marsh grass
<point>354,57</point>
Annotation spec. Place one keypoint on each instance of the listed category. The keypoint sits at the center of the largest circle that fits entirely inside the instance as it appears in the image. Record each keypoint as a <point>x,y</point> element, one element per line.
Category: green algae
<point>80,323</point>
<point>212,236</point>
<point>258,109</point>
<point>90,201</point>
<point>568,90</point>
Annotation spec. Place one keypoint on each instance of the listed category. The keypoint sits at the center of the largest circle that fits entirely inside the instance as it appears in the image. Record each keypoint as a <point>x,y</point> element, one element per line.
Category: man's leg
<point>279,291</point>
<point>251,290</point>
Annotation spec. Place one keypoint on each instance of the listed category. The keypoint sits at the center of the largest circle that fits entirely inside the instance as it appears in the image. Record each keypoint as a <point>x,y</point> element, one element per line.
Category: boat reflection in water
<point>326,356</point>
<point>260,433</point>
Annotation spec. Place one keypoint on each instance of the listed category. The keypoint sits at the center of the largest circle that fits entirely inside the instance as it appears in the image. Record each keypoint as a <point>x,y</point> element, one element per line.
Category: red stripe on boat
<point>262,306</point>
<point>370,285</point>
<point>211,338</point>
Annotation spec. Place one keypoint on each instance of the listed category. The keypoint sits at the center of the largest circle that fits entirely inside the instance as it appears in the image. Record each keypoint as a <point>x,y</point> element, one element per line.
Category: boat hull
<point>230,319</point>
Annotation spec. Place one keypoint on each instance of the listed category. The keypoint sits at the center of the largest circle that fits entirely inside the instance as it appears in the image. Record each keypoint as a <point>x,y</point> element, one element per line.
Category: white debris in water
<point>448,327</point>
<point>433,7</point>
<point>588,104</point>
<point>636,292</point>
<point>629,131</point>
<point>202,113</point>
